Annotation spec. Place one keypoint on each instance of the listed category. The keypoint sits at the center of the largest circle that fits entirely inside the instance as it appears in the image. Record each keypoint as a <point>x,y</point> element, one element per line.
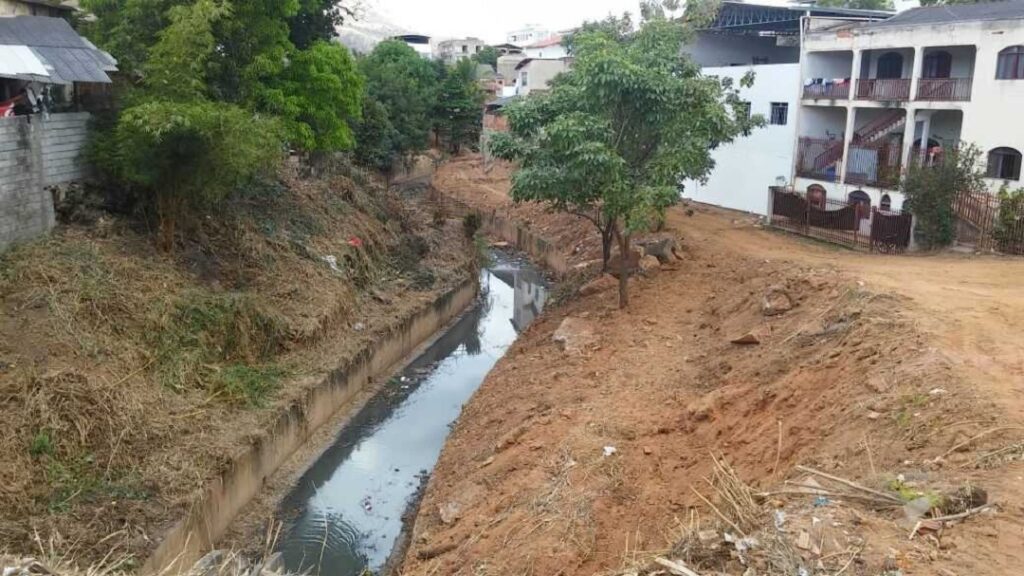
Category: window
<point>1011,63</point>
<point>890,65</point>
<point>937,65</point>
<point>1004,163</point>
<point>886,204</point>
<point>524,79</point>
<point>465,49</point>
<point>760,60</point>
<point>780,113</point>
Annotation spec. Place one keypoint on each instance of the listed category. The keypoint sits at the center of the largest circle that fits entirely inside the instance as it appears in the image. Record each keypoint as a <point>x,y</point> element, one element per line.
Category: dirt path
<point>973,305</point>
<point>891,371</point>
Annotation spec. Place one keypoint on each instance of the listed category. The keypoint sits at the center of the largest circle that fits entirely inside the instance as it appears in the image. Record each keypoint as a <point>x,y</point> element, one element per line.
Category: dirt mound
<point>129,377</point>
<point>586,463</point>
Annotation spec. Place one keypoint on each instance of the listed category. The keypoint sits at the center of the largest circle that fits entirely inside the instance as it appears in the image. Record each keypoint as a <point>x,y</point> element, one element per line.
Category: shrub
<point>931,192</point>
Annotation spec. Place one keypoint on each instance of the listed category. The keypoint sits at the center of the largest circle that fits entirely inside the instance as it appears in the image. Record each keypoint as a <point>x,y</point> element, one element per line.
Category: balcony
<point>819,158</point>
<point>944,89</point>
<point>875,164</point>
<point>820,88</point>
<point>884,89</point>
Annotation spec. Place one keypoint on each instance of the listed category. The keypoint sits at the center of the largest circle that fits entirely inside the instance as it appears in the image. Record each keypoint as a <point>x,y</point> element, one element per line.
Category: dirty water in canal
<point>347,508</point>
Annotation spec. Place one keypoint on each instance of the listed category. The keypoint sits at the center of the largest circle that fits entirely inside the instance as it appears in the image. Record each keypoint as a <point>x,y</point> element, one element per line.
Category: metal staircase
<point>872,132</point>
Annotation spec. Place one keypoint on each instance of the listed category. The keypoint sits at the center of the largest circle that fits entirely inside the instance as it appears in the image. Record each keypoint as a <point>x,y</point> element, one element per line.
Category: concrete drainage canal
<point>347,510</point>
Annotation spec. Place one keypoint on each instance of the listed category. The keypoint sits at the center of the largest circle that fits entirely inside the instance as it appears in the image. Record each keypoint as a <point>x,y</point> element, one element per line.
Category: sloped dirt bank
<point>130,379</point>
<point>591,461</point>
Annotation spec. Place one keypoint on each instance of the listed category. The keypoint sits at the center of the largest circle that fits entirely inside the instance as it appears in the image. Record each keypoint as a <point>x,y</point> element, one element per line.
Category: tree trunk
<point>607,237</point>
<point>624,241</point>
<point>168,213</point>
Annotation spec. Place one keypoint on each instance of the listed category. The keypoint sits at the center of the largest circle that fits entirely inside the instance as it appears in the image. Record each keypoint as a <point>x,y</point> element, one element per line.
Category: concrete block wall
<point>35,155</point>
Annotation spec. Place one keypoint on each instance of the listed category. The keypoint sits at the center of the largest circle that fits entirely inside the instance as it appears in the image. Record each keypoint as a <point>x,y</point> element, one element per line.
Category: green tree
<point>405,84</point>
<point>932,190</point>
<point>127,28</point>
<point>951,2</point>
<point>317,94</point>
<point>317,20</point>
<point>487,55</point>
<point>174,146</point>
<point>458,113</point>
<point>377,139</point>
<point>620,130</point>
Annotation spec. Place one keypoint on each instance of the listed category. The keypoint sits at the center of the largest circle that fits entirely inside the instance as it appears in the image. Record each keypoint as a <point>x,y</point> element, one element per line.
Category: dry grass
<point>128,377</point>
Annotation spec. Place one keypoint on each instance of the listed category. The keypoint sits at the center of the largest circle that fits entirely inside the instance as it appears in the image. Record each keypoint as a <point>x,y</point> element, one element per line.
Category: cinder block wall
<point>36,154</point>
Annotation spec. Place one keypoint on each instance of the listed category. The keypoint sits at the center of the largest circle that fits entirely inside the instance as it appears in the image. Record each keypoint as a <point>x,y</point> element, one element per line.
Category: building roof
<point>548,42</point>
<point>526,61</point>
<point>65,56</point>
<point>498,103</point>
<point>55,4</point>
<point>999,10</point>
<point>742,18</point>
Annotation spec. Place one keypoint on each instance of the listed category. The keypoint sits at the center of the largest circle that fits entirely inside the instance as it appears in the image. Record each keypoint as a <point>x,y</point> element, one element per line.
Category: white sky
<point>492,19</point>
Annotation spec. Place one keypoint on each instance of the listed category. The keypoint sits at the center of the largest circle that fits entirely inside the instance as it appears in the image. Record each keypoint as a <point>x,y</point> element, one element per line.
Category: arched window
<point>1011,63</point>
<point>890,65</point>
<point>1004,163</point>
<point>863,202</point>
<point>816,196</point>
<point>937,65</point>
<point>886,204</point>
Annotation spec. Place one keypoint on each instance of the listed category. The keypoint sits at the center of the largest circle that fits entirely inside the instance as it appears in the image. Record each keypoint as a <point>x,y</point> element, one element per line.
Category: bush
<point>1009,229</point>
<point>931,192</point>
<point>471,224</point>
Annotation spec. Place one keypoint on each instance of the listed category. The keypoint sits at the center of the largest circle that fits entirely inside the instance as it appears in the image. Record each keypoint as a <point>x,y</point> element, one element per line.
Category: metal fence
<point>885,89</point>
<point>949,89</point>
<point>989,223</point>
<point>852,224</point>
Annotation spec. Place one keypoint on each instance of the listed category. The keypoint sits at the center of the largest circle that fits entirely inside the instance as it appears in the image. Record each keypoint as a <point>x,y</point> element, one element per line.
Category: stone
<point>776,302</point>
<point>748,339</point>
<point>649,266</point>
<point>575,335</point>
<point>449,513</point>
<point>632,263</point>
<point>602,284</point>
<point>663,248</point>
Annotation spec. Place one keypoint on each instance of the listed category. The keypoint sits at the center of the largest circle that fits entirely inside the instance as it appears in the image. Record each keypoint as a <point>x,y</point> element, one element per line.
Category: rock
<point>449,512</point>
<point>649,266</point>
<point>602,284</point>
<point>648,450</point>
<point>748,339</point>
<point>632,263</point>
<point>663,248</point>
<point>575,335</point>
<point>776,302</point>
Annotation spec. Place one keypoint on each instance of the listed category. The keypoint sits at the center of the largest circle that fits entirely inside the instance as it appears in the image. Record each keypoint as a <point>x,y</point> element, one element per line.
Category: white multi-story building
<point>878,96</point>
<point>764,40</point>
<point>548,48</point>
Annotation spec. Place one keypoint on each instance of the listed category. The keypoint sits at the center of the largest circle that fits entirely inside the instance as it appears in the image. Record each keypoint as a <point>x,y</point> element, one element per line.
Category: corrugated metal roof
<point>20,61</point>
<point>66,56</point>
<point>1000,10</point>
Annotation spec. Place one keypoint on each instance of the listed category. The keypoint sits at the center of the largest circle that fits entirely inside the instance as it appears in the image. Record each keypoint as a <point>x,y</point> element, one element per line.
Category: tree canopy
<point>458,114</point>
<point>616,134</point>
<point>487,55</point>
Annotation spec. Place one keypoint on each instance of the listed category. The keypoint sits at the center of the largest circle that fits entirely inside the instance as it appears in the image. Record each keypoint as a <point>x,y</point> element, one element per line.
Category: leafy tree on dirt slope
<point>377,139</point>
<point>620,130</point>
<point>405,85</point>
<point>458,113</point>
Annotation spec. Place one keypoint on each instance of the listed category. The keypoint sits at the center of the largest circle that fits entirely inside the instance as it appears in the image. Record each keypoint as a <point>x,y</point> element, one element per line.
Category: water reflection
<point>347,508</point>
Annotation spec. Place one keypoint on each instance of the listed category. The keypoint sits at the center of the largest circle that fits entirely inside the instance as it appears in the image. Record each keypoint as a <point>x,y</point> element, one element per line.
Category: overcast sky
<point>492,19</point>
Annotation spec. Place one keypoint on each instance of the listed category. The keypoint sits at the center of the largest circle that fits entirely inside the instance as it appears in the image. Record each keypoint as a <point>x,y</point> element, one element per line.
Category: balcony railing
<point>819,158</point>
<point>827,89</point>
<point>876,164</point>
<point>946,89</point>
<point>885,89</point>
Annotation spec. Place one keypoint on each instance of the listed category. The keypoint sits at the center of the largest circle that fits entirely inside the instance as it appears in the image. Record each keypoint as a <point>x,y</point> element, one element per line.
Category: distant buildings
<point>418,42</point>
<point>527,35</point>
<point>51,8</point>
<point>536,74</point>
<point>548,48</point>
<point>451,51</point>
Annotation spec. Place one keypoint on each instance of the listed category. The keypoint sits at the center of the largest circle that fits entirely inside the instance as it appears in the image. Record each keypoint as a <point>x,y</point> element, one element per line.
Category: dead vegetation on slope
<point>129,377</point>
